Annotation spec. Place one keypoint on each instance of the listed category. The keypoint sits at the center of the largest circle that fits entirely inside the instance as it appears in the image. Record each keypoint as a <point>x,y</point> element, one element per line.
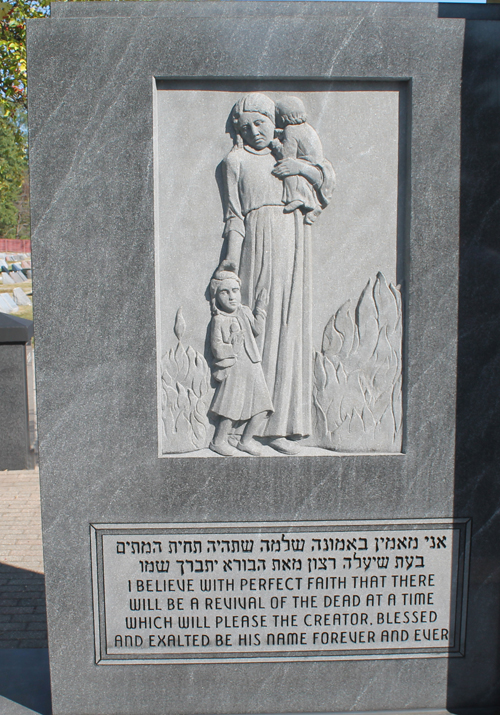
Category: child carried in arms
<point>298,140</point>
<point>242,394</point>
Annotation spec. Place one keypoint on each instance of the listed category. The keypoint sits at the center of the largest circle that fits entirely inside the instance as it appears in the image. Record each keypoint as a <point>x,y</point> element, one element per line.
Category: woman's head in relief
<point>253,119</point>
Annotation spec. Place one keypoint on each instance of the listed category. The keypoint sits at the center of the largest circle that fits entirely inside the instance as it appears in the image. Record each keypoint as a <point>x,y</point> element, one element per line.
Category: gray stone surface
<point>6,279</point>
<point>14,415</point>
<point>251,9</point>
<point>92,182</point>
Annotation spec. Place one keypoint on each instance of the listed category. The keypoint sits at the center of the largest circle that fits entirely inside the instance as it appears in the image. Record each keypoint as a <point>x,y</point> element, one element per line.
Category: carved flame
<point>185,396</point>
<point>357,394</point>
<point>179,325</point>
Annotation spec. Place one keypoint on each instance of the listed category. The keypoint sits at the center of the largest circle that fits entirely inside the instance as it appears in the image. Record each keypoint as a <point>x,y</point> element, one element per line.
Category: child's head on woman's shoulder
<point>225,289</point>
<point>290,110</point>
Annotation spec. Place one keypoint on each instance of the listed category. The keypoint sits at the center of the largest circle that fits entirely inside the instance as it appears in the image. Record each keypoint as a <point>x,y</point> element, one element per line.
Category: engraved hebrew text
<point>275,592</point>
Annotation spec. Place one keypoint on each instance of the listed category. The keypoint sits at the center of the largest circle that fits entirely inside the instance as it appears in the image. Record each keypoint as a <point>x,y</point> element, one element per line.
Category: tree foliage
<point>13,16</point>
<point>14,220</point>
<point>13,175</point>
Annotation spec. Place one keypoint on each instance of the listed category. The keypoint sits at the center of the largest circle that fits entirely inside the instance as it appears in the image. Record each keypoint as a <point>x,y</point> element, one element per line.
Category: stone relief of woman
<point>273,251</point>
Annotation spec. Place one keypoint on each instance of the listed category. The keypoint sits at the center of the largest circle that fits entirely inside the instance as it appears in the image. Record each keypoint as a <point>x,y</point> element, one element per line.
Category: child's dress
<point>242,392</point>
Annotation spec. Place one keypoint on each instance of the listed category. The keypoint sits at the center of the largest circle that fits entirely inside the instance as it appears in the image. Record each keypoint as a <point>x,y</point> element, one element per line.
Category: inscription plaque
<point>275,591</point>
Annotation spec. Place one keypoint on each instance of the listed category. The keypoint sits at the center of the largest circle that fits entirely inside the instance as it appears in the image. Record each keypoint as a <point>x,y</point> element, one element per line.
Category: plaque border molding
<point>462,524</point>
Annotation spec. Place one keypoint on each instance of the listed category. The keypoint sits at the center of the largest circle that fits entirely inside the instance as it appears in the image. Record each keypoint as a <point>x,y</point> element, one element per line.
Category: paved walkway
<point>22,584</point>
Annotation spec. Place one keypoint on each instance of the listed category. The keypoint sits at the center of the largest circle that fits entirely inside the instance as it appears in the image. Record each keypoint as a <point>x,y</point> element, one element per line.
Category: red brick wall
<point>15,245</point>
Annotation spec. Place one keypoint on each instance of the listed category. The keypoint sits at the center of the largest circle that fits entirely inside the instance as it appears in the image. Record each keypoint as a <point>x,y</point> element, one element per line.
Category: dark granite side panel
<point>475,681</point>
<point>469,11</point>
<point>14,420</point>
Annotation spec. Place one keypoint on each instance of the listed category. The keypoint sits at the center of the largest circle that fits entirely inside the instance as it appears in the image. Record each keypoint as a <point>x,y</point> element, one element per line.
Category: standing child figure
<point>242,394</point>
<point>298,141</point>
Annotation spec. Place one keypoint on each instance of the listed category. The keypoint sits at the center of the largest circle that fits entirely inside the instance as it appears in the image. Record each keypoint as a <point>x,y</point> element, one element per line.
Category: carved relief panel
<point>279,268</point>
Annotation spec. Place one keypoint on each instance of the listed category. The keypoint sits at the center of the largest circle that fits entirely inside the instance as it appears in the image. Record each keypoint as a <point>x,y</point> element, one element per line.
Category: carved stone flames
<point>185,396</point>
<point>357,375</point>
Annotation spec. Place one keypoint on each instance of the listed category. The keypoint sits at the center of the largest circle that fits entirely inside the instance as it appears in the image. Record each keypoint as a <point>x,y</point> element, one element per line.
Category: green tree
<point>13,174</point>
<point>14,207</point>
<point>13,16</point>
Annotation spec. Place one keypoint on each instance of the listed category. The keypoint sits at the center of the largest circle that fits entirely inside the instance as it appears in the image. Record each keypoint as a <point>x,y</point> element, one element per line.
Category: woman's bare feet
<point>285,446</point>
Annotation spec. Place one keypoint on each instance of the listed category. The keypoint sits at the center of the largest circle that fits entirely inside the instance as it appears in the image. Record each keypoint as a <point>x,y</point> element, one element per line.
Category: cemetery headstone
<point>10,301</point>
<point>7,279</point>
<point>268,479</point>
<point>20,297</point>
<point>6,304</point>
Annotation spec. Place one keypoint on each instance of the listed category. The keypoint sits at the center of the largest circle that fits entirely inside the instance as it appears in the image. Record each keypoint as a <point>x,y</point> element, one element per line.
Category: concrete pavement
<point>24,670</point>
<point>22,587</point>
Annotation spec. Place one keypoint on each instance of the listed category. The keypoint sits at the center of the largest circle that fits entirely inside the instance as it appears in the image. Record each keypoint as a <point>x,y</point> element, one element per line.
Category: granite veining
<point>92,182</point>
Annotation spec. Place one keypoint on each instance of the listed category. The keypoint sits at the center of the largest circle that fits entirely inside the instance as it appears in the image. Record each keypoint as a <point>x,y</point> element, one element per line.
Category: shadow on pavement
<point>24,679</point>
<point>24,661</point>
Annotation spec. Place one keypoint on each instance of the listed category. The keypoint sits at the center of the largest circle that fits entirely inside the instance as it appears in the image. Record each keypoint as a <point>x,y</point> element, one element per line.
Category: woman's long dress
<point>276,256</point>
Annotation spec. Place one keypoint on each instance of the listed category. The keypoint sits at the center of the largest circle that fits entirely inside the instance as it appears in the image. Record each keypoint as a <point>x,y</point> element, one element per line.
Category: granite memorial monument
<point>267,433</point>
